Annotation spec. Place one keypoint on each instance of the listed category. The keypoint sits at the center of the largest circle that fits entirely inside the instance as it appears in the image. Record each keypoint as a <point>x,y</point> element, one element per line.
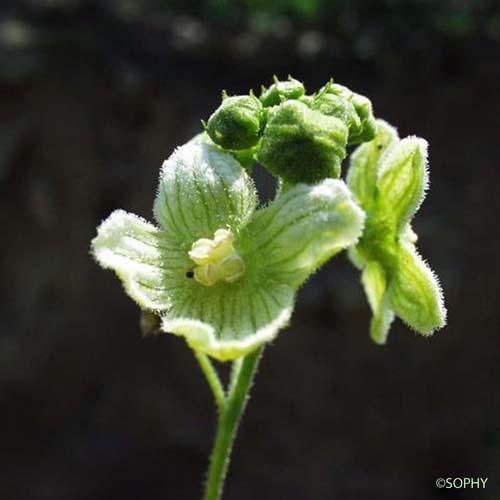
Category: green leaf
<point>403,180</point>
<point>301,229</point>
<point>365,162</point>
<point>374,281</point>
<point>146,260</point>
<point>202,189</point>
<point>415,294</point>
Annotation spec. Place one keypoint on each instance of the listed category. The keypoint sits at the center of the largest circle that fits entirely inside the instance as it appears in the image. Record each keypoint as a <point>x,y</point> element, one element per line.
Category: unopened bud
<point>237,123</point>
<point>281,91</point>
<point>303,145</point>
<point>355,108</point>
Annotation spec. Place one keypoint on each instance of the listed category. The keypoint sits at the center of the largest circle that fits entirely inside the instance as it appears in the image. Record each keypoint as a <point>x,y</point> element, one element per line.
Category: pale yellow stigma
<point>216,259</point>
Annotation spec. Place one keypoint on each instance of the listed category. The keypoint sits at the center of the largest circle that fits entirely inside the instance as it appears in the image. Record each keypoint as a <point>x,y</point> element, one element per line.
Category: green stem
<point>212,379</point>
<point>229,418</point>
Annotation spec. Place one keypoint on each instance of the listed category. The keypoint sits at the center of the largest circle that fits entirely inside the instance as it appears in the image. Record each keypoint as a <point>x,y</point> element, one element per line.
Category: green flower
<point>218,271</point>
<point>389,178</point>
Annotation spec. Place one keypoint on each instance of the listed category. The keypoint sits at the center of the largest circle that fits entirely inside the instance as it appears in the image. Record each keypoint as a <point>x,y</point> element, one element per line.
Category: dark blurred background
<point>93,96</point>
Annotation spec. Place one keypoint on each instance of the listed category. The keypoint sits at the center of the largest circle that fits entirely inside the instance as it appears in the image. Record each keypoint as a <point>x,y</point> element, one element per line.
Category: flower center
<point>216,259</point>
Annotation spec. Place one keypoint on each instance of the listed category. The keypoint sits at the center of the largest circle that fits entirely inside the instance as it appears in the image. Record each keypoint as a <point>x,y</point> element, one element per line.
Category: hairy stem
<point>212,379</point>
<point>229,419</point>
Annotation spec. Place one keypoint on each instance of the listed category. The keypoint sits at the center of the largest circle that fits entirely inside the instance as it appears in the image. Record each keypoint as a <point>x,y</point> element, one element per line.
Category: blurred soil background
<point>93,96</point>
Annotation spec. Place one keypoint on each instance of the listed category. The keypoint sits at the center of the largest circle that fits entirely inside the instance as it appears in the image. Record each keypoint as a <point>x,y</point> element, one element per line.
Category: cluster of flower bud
<point>297,137</point>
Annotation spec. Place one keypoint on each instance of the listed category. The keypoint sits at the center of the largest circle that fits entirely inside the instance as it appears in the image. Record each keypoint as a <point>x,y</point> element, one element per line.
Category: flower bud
<point>355,108</point>
<point>368,128</point>
<point>303,145</point>
<point>237,123</point>
<point>281,91</point>
<point>338,106</point>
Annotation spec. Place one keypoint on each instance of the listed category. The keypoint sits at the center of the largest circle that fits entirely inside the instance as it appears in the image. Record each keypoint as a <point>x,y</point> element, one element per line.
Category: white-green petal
<point>365,162</point>
<point>415,294</point>
<point>301,229</point>
<point>145,259</point>
<point>374,281</point>
<point>202,189</point>
<point>228,321</point>
<point>403,180</point>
